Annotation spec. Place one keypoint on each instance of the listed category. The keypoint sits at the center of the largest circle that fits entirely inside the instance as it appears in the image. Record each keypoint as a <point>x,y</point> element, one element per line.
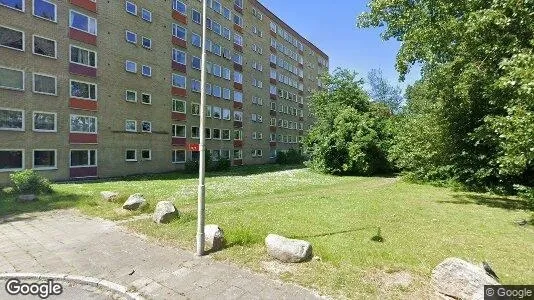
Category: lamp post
<point>202,146</point>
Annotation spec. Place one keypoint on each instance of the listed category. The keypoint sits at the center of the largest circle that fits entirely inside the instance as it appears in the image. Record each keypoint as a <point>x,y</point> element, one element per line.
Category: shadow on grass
<point>234,171</point>
<point>11,207</point>
<point>490,201</point>
<point>330,233</point>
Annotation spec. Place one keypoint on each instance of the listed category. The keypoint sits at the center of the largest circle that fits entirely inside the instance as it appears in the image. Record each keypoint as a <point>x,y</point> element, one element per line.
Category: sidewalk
<point>67,242</point>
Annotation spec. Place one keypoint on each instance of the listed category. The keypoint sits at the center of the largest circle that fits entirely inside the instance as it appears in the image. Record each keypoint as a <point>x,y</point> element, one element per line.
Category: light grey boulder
<point>27,198</point>
<point>214,237</point>
<point>459,279</point>
<point>109,196</point>
<point>134,202</point>
<point>164,212</point>
<point>288,250</point>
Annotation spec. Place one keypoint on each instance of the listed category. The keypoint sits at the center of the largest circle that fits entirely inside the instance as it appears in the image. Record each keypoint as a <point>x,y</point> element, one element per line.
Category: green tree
<point>351,134</point>
<point>384,92</point>
<point>470,117</point>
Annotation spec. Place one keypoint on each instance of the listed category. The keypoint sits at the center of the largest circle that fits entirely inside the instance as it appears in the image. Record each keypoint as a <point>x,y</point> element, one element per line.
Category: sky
<point>332,28</point>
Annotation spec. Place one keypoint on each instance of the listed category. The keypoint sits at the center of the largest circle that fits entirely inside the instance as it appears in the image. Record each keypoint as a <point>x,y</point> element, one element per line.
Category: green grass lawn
<point>421,225</point>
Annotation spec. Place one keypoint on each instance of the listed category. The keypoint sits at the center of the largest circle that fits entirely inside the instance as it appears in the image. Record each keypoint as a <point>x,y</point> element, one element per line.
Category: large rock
<point>164,212</point>
<point>458,279</point>
<point>134,202</point>
<point>288,250</point>
<point>27,198</point>
<point>109,196</point>
<point>214,237</point>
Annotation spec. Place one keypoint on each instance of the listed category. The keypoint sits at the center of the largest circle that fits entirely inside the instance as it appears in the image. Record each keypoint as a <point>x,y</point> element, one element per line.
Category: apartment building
<point>93,88</point>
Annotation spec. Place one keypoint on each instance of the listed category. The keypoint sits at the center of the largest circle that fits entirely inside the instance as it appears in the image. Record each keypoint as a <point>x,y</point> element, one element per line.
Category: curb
<point>100,283</point>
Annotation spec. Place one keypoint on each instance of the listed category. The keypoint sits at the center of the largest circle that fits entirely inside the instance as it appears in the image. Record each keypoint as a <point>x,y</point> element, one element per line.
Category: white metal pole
<point>202,148</point>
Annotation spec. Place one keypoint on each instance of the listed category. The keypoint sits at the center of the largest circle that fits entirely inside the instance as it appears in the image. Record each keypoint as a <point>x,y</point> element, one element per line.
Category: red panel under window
<point>273,65</point>
<point>83,172</point>
<point>238,124</point>
<point>83,138</point>
<point>301,65</point>
<point>272,33</point>
<point>238,105</point>
<point>238,144</point>
<point>238,162</point>
<point>301,79</point>
<point>272,80</point>
<point>179,17</point>
<point>81,36</point>
<point>238,9</point>
<point>273,97</point>
<point>179,92</point>
<point>238,67</point>
<point>83,104</point>
<point>272,128</point>
<point>238,86</point>
<point>272,113</point>
<point>301,105</point>
<point>301,132</point>
<point>301,93</point>
<point>176,116</point>
<point>82,70</point>
<point>87,4</point>
<point>179,141</point>
<point>272,144</point>
<point>273,50</point>
<point>238,28</point>
<point>179,67</point>
<point>238,48</point>
<point>301,119</point>
<point>179,42</point>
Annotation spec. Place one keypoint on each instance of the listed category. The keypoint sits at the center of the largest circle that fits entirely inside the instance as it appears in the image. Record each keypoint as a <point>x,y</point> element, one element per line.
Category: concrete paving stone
<point>232,292</point>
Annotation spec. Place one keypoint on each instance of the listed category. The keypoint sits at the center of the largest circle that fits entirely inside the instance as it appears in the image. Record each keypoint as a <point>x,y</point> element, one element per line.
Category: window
<point>226,73</point>
<point>44,121</point>
<point>83,124</point>
<point>226,94</point>
<point>82,22</point>
<point>226,114</point>
<point>226,33</point>
<point>196,40</point>
<point>238,20</point>
<point>238,59</point>
<point>44,159</point>
<point>238,97</point>
<point>11,119</point>
<point>11,79</point>
<point>179,32</point>
<point>178,156</point>
<point>131,66</point>
<point>259,153</point>
<point>147,43</point>
<point>195,109</point>
<point>179,56</point>
<point>11,38</point>
<point>238,116</point>
<point>178,106</point>
<point>131,155</point>
<point>131,8</point>
<point>146,71</point>
<point>83,56</point>
<point>238,154</point>
<point>146,98</point>
<point>238,40</point>
<point>83,158</point>
<point>226,13</point>
<point>195,132</point>
<point>195,15</point>
<point>216,112</point>
<point>146,126</point>
<point>146,15</point>
<point>130,126</point>
<point>179,81</point>
<point>216,134</point>
<point>238,135</point>
<point>217,91</point>
<point>196,63</point>
<point>14,4</point>
<point>131,37</point>
<point>44,84</point>
<point>238,77</point>
<point>195,85</point>
<point>179,131</point>
<point>44,9</point>
<point>179,6</point>
<point>226,134</point>
<point>11,160</point>
<point>217,70</point>
<point>44,47</point>
<point>146,154</point>
<point>131,96</point>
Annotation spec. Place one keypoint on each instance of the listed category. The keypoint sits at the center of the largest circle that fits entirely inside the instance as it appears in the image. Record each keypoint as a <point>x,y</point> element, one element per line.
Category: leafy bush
<point>290,157</point>
<point>29,182</point>
<point>222,164</point>
<point>191,166</point>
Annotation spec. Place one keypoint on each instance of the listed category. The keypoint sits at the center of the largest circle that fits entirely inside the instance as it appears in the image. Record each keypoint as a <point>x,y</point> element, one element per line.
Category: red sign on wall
<point>193,147</point>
